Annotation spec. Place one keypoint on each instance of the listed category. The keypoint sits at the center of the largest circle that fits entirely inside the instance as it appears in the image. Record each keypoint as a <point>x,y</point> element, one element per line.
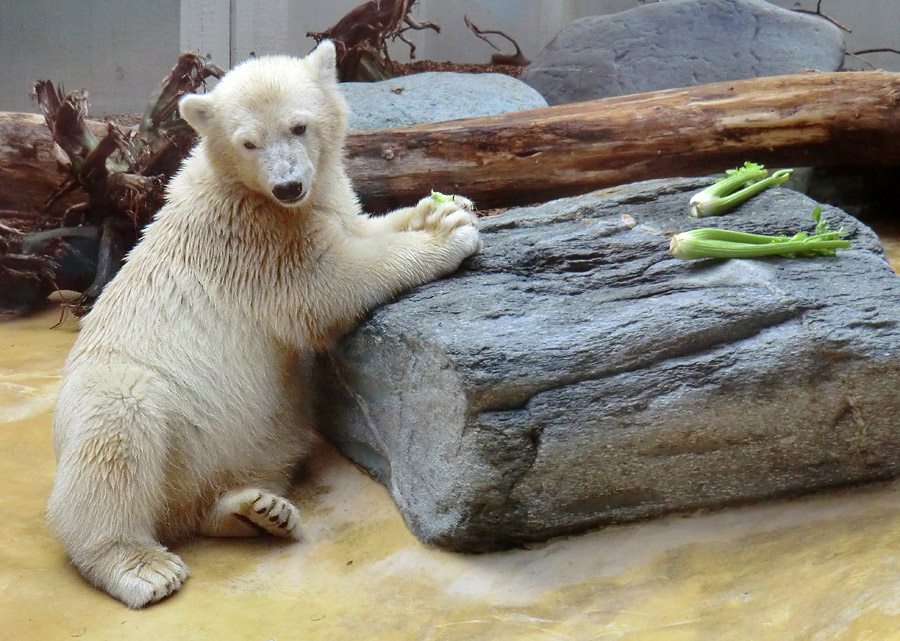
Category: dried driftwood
<point>361,38</point>
<point>121,171</point>
<point>518,58</point>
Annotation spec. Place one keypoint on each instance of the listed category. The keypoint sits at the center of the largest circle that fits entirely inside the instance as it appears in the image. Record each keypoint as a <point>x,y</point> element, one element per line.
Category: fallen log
<point>28,165</point>
<point>814,119</point>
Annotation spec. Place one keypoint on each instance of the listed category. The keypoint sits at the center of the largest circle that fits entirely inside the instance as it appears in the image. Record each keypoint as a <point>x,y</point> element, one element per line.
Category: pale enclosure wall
<point>120,49</point>
<point>533,23</point>
<point>117,49</point>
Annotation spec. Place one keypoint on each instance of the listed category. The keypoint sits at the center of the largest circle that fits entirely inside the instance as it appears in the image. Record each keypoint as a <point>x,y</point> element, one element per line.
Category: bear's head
<point>272,123</point>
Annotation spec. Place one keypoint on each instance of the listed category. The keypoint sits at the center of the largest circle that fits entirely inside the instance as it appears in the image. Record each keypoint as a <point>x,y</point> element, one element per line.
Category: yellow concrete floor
<point>822,568</point>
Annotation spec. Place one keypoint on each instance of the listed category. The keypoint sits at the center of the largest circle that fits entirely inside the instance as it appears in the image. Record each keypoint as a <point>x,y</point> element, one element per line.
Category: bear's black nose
<point>288,192</point>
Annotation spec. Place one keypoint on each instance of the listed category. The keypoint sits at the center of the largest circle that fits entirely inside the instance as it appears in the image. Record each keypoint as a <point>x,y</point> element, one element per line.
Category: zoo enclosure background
<point>120,49</point>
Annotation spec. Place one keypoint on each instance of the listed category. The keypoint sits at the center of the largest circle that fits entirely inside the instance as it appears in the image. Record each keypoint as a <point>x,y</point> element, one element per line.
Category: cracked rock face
<point>574,374</point>
<point>681,43</point>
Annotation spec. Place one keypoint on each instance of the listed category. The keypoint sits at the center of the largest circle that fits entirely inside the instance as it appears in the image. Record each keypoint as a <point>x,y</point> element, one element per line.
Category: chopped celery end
<point>438,197</point>
<point>737,186</point>
<point>723,243</point>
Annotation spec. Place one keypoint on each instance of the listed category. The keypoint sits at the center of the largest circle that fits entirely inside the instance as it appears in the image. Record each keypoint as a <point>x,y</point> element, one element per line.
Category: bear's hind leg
<point>105,511</point>
<point>250,512</point>
<point>110,536</point>
<point>109,496</point>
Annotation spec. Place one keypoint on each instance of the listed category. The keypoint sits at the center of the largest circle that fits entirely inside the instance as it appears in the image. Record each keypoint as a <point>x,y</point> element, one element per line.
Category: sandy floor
<point>821,568</point>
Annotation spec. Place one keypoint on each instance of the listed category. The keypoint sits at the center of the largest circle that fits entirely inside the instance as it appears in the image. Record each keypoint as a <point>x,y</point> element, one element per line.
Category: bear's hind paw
<point>276,515</point>
<point>263,510</point>
<point>146,575</point>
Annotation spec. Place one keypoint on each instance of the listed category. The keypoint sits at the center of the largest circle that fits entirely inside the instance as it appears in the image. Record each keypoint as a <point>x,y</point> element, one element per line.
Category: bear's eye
<point>249,145</point>
<point>298,130</point>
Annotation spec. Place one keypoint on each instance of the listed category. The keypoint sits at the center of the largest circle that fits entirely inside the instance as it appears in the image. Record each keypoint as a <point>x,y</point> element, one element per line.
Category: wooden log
<point>28,166</point>
<point>814,119</point>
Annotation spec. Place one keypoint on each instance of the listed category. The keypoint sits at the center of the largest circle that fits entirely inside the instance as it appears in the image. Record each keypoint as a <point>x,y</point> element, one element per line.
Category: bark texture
<point>531,156</point>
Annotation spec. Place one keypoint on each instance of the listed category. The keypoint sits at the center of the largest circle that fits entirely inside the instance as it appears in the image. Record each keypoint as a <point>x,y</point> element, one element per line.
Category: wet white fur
<point>178,411</point>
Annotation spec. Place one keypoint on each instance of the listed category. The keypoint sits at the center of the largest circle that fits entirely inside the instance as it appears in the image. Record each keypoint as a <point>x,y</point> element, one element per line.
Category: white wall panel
<point>120,49</point>
<point>117,49</point>
<point>205,26</point>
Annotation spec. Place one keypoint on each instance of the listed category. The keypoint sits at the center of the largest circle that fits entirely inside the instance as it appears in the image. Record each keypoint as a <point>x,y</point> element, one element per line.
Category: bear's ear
<point>323,60</point>
<point>197,111</point>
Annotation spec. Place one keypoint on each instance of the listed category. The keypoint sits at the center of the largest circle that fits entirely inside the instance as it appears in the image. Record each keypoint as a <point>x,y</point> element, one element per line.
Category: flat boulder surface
<point>681,43</point>
<point>434,96</point>
<point>574,374</point>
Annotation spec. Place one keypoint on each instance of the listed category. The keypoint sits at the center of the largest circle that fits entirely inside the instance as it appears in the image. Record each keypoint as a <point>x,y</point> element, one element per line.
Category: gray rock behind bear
<point>435,96</point>
<point>574,374</point>
<point>681,43</point>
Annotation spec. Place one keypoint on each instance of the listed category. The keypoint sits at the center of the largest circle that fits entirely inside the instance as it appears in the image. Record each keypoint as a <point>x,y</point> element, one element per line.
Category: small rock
<point>63,296</point>
<point>58,259</point>
<point>435,96</point>
<point>74,250</point>
<point>681,43</point>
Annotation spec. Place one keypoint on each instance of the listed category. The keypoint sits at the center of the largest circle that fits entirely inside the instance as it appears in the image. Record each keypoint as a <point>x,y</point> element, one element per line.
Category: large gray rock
<point>574,374</point>
<point>434,96</point>
<point>681,43</point>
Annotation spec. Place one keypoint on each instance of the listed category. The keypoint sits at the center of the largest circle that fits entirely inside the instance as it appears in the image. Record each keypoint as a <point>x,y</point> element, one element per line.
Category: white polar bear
<point>177,414</point>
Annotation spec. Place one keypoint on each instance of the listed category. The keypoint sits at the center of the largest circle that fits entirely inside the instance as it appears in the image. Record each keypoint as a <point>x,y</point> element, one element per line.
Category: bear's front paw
<point>466,240</point>
<point>441,215</point>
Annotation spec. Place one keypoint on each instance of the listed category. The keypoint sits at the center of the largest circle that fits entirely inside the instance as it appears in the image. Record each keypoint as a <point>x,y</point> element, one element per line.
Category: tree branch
<point>818,12</point>
<point>518,58</point>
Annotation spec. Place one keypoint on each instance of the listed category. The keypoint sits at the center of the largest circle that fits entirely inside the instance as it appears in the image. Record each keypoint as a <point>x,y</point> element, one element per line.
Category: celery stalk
<point>723,243</point>
<point>736,187</point>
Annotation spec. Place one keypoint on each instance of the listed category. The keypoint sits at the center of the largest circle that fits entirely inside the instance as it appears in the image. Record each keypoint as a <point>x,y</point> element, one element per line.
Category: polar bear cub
<point>176,414</point>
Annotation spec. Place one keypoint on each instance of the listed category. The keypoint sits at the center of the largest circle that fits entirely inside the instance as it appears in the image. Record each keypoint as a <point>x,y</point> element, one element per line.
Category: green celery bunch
<point>736,187</point>
<point>723,243</point>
